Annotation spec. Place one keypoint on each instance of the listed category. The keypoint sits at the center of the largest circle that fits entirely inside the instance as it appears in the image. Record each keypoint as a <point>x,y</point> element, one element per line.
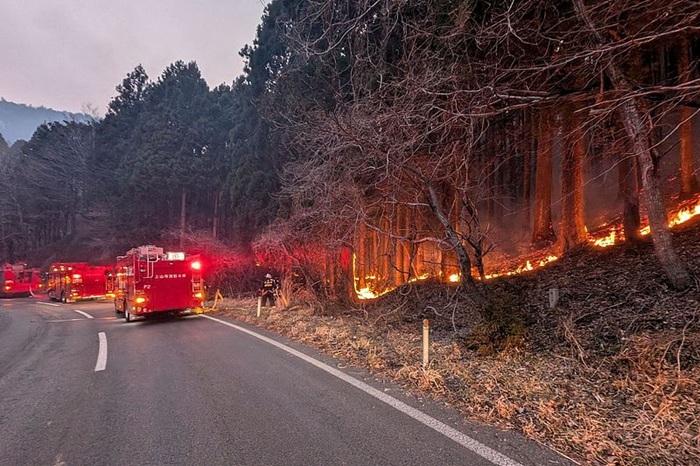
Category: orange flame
<point>613,235</point>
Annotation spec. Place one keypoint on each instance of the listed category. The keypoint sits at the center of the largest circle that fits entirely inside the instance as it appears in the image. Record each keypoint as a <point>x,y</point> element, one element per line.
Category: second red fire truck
<point>18,280</point>
<point>149,280</point>
<point>75,281</point>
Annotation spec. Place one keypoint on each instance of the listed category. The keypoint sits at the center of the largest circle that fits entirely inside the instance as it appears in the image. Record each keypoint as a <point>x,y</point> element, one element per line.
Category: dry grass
<point>646,415</point>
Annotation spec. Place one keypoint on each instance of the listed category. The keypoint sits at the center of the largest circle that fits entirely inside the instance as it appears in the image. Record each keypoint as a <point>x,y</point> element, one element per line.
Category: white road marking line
<point>48,304</point>
<point>467,442</point>
<point>102,353</point>
<point>83,313</point>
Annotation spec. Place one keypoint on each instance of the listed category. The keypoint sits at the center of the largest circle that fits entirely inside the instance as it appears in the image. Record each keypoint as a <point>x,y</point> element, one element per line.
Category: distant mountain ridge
<point>19,121</point>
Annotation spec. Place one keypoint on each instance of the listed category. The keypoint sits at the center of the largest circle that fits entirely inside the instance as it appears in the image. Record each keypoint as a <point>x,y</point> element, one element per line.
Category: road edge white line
<point>469,443</point>
<point>102,352</point>
<point>48,304</point>
<point>83,313</point>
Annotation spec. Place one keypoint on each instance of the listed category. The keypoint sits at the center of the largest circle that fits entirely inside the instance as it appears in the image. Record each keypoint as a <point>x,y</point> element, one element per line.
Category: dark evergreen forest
<point>369,144</point>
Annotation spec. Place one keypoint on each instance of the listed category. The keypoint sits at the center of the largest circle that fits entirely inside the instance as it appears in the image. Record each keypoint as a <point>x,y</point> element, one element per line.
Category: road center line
<point>83,313</point>
<point>467,442</point>
<point>102,353</point>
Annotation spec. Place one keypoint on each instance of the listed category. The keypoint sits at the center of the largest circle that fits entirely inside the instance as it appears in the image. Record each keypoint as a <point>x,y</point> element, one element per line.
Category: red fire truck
<point>150,280</point>
<point>74,281</point>
<point>18,280</point>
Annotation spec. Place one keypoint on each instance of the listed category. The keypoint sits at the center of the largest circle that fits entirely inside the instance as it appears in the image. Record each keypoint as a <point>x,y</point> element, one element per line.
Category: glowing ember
<point>607,240</point>
<point>454,278</point>
<point>525,267</point>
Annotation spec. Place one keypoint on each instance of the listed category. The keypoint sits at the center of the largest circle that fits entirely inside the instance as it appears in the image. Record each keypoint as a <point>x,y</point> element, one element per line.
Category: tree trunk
<point>215,220</point>
<point>384,256</point>
<point>572,232</point>
<point>653,197</point>
<point>637,125</point>
<point>528,150</point>
<point>543,232</point>
<point>360,254</point>
<point>183,202</point>
<point>345,284</point>
<point>627,175</point>
<point>689,183</point>
<point>400,253</point>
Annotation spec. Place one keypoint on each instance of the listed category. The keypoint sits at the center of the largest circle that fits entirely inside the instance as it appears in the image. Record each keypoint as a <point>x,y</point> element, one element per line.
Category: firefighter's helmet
<point>268,276</point>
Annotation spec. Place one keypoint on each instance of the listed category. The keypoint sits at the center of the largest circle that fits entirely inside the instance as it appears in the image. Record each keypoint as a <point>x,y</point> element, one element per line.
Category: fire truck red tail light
<point>140,300</point>
<point>198,295</point>
<point>196,265</point>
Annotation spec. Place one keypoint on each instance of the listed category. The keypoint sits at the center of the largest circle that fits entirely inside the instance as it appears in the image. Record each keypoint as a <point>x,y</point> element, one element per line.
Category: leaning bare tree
<point>610,41</point>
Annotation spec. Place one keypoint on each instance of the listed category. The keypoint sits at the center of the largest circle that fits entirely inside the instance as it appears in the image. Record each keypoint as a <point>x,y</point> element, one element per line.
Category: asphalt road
<point>86,388</point>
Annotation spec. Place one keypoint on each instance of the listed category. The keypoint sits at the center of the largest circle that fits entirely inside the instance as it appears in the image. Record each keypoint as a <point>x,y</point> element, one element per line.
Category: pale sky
<point>66,54</point>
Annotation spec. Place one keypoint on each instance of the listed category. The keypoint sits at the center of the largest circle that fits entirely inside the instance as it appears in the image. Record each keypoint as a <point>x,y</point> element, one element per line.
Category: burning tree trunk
<point>638,127</point>
<point>689,183</point>
<point>543,233</point>
<point>572,232</point>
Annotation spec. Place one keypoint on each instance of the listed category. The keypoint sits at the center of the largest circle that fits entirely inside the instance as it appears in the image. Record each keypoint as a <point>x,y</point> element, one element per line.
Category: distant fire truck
<point>75,281</point>
<point>150,281</point>
<point>18,280</point>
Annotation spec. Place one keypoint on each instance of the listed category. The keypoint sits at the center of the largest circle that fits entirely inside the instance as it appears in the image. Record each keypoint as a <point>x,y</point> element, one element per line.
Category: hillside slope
<point>611,375</point>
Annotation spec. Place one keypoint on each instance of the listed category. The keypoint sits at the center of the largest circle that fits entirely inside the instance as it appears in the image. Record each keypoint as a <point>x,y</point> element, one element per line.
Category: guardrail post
<point>426,342</point>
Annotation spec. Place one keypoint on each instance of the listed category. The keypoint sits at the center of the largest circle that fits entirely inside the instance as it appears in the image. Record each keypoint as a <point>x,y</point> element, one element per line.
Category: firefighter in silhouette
<point>268,290</point>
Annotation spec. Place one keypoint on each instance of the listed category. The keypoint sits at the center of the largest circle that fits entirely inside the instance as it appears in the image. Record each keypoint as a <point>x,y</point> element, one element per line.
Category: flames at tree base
<point>606,235</point>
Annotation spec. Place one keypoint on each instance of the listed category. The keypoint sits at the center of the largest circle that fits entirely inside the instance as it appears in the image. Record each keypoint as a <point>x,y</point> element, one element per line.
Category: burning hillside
<point>603,236</point>
<point>608,376</point>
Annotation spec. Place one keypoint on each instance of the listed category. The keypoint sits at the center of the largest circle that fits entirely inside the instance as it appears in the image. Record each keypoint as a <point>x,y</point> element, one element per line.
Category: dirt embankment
<point>611,375</point>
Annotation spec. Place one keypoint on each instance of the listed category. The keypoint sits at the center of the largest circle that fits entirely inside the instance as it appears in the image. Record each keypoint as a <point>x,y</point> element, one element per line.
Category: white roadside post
<point>259,304</point>
<point>426,342</point>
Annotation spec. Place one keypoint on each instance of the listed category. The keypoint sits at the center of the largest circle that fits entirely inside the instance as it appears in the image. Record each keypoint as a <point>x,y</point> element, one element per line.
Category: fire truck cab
<point>149,281</point>
<point>74,281</point>
<point>17,280</point>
